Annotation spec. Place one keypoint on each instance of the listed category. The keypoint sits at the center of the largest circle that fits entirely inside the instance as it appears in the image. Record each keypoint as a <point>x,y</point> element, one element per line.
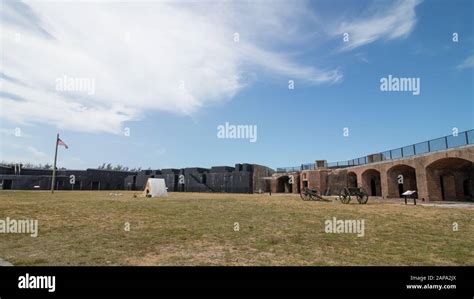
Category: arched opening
<point>283,185</point>
<point>450,179</point>
<point>401,178</point>
<point>351,180</point>
<point>466,187</point>
<point>371,182</point>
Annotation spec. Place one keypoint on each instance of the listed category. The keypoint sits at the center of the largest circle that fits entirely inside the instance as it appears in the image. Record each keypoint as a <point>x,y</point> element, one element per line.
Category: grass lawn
<point>88,228</point>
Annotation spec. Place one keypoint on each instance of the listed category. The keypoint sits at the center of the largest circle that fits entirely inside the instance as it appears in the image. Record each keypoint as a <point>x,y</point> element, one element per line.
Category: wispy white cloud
<point>467,63</point>
<point>37,154</point>
<point>278,64</point>
<point>387,23</point>
<point>145,56</point>
<point>18,153</point>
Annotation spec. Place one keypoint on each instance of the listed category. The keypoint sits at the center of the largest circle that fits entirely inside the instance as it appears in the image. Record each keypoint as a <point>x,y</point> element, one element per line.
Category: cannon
<point>346,193</point>
<point>310,194</point>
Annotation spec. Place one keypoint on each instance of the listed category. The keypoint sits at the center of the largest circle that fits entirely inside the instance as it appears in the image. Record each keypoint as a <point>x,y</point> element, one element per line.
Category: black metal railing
<point>289,169</point>
<point>308,166</point>
<point>433,145</point>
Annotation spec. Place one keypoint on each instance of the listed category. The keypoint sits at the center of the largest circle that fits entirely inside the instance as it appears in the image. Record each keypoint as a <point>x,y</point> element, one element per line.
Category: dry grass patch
<point>87,228</point>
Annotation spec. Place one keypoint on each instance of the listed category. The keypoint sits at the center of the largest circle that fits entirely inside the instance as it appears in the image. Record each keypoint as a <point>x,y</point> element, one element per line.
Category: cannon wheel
<point>313,196</point>
<point>305,195</point>
<point>362,196</point>
<point>345,196</point>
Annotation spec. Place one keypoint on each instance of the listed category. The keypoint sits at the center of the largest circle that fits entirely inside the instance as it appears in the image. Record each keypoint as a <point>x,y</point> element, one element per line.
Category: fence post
<point>446,141</point>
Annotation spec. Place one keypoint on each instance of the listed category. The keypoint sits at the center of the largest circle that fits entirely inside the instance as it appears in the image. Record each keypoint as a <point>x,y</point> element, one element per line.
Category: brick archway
<point>283,185</point>
<point>450,179</point>
<point>371,182</point>
<point>401,178</point>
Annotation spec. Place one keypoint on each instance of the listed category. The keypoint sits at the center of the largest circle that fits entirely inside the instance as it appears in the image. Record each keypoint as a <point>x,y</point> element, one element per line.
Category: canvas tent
<point>155,188</point>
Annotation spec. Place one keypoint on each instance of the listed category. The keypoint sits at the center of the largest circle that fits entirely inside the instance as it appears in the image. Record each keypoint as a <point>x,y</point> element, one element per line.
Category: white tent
<point>155,188</point>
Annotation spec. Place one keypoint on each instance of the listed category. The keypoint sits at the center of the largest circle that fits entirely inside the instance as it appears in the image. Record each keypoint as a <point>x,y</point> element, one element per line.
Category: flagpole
<point>53,180</point>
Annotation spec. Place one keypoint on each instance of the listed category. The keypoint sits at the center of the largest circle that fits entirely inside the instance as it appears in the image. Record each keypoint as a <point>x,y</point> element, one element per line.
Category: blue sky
<point>172,72</point>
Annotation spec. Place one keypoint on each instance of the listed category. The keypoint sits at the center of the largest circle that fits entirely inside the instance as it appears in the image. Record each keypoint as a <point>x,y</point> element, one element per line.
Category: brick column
<point>273,184</point>
<point>359,180</point>
<point>422,183</point>
<point>296,184</point>
<point>384,183</point>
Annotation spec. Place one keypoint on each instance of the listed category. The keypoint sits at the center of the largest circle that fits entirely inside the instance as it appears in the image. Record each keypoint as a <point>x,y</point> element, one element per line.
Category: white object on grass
<point>155,188</point>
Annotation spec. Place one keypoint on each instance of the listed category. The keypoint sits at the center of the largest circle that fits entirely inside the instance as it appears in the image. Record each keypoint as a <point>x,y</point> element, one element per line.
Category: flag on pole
<point>60,142</point>
<point>53,178</point>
